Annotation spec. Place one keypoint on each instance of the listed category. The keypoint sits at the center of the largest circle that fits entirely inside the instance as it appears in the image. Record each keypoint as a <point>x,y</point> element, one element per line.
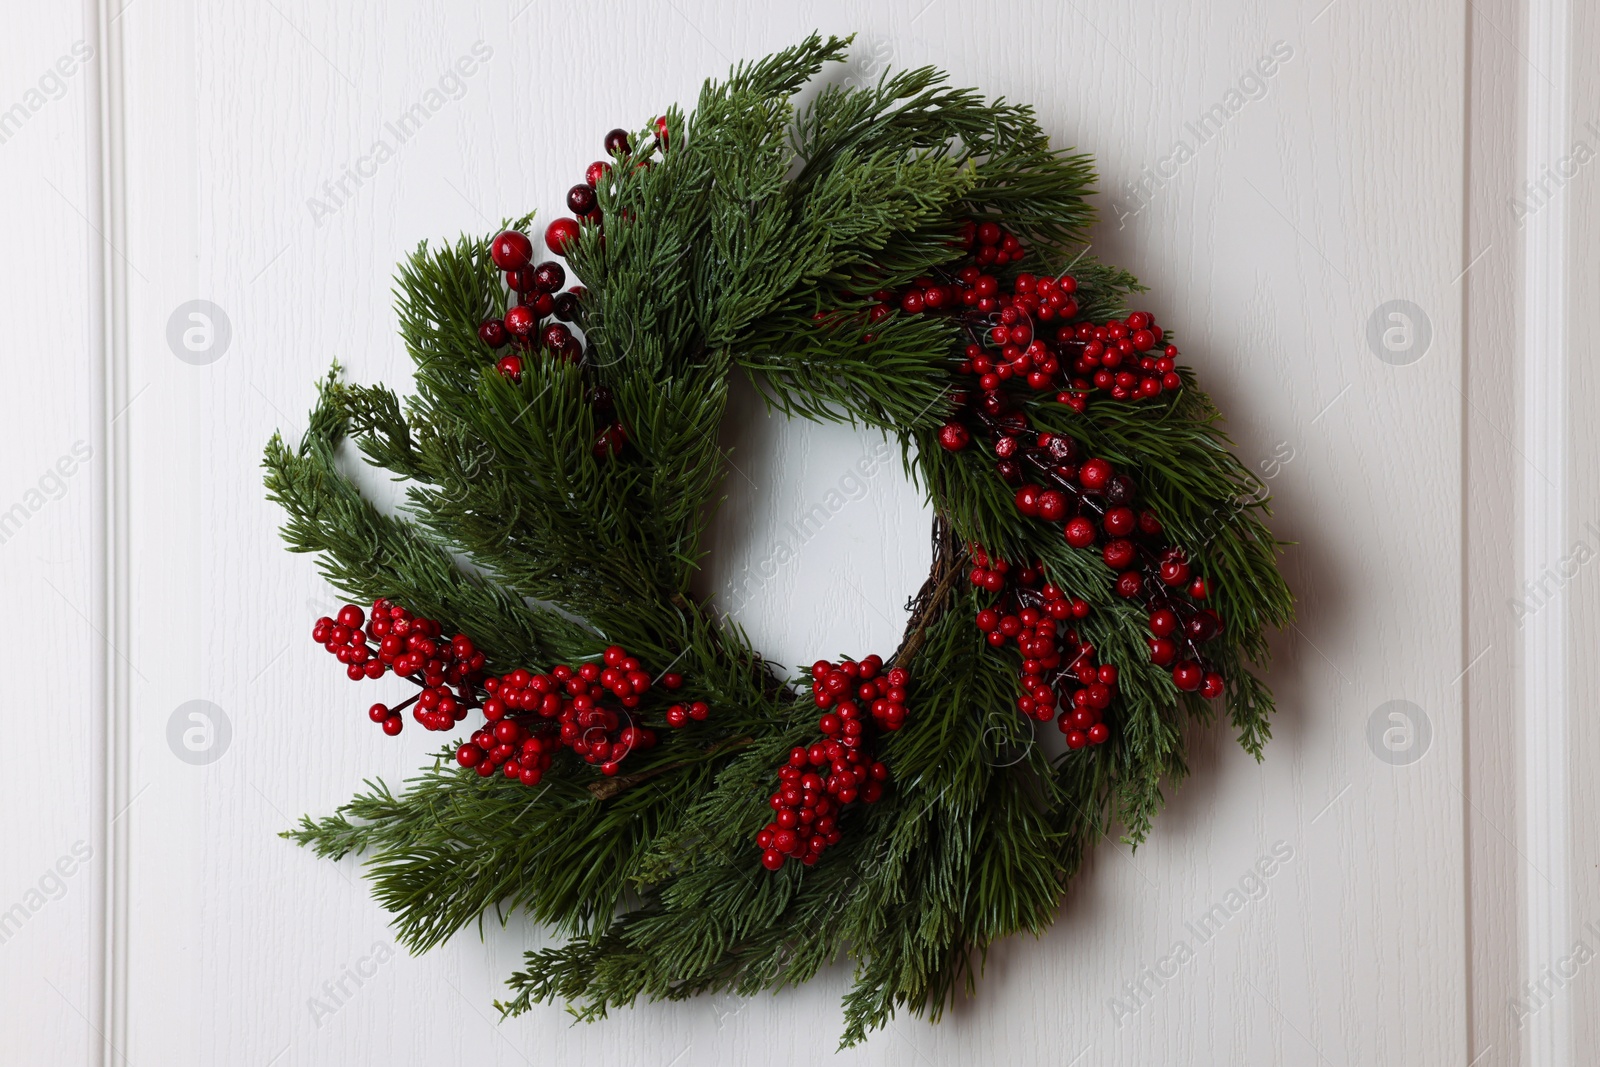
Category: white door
<point>1379,254</point>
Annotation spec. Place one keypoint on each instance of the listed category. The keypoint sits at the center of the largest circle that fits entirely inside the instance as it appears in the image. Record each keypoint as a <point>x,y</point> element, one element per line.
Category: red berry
<point>1199,589</point>
<point>954,437</point>
<point>1119,554</point>
<point>521,320</point>
<point>559,234</point>
<point>1162,651</point>
<point>771,859</point>
<point>1095,474</point>
<point>393,725</point>
<point>1052,505</point>
<point>1187,676</point>
<point>1080,532</point>
<point>511,250</point>
<point>510,367</point>
<point>1211,686</point>
<point>596,172</point>
<point>492,332</point>
<point>1099,734</point>
<point>1163,622</point>
<point>1119,522</point>
<point>1027,500</point>
<point>1174,570</point>
<point>1130,584</point>
<point>581,199</point>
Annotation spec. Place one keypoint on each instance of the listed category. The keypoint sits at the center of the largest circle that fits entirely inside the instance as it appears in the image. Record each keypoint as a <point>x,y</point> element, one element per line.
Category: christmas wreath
<point>907,256</point>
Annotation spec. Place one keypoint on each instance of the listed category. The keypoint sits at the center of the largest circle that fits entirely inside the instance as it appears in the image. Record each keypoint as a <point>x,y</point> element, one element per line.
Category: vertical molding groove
<point>1544,431</point>
<point>107,314</point>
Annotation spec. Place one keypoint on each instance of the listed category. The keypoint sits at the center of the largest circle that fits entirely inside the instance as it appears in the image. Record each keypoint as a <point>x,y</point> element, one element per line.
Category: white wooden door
<point>1372,222</point>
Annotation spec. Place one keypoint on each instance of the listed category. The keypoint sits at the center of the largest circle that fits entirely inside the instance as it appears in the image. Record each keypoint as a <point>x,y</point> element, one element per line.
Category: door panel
<point>1292,187</point>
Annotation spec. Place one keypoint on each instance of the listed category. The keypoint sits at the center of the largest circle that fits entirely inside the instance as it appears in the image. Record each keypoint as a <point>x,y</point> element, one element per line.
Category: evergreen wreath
<point>642,780</point>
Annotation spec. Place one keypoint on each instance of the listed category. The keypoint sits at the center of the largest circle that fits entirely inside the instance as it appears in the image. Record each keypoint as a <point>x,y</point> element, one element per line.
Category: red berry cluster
<point>410,647</point>
<point>530,717</point>
<point>1120,357</point>
<point>537,299</point>
<point>817,782</point>
<point>1128,359</point>
<point>1095,505</point>
<point>590,709</point>
<point>536,287</point>
<point>1031,611</point>
<point>583,200</point>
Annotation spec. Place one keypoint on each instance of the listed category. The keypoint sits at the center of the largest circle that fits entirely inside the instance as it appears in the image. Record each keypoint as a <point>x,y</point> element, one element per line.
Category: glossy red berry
<point>510,367</point>
<point>548,277</point>
<point>581,199</point>
<point>1080,532</point>
<point>1211,686</point>
<point>1027,500</point>
<point>1119,522</point>
<point>560,234</point>
<point>555,336</point>
<point>1095,475</point>
<point>954,437</point>
<point>617,142</point>
<point>595,173</point>
<point>521,320</point>
<point>511,250</point>
<point>493,333</point>
<point>1187,676</point>
<point>1119,554</point>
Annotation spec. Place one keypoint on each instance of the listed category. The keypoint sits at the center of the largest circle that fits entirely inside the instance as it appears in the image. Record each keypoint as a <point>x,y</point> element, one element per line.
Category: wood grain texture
<point>1338,188</point>
<point>47,976</point>
<point>1580,981</point>
<point>1491,579</point>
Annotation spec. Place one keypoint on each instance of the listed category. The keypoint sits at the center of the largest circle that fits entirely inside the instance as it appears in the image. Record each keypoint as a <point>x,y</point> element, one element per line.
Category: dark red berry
<point>492,332</point>
<point>581,199</point>
<point>549,276</point>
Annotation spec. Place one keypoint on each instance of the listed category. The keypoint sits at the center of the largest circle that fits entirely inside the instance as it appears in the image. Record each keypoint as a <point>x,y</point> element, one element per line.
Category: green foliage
<point>747,244</point>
